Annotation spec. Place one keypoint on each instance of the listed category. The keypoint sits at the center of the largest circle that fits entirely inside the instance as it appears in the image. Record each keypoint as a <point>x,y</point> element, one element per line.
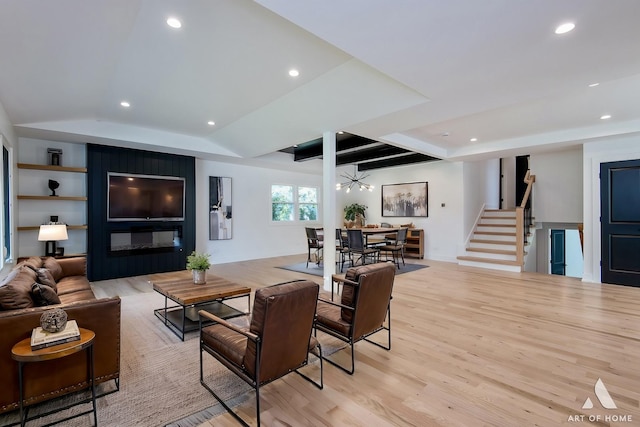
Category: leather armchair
<point>277,342</point>
<point>364,307</point>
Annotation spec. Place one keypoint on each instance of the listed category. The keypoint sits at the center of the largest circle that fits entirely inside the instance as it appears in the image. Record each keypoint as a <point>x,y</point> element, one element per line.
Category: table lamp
<point>50,234</point>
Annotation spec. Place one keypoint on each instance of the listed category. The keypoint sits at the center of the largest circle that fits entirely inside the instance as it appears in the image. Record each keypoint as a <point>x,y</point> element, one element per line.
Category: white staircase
<point>493,244</point>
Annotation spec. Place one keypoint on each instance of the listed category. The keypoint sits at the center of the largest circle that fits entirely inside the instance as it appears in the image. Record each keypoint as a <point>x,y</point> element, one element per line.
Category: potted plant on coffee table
<point>199,263</point>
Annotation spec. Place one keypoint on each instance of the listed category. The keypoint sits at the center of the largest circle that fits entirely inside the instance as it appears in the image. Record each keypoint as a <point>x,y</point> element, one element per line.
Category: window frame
<point>296,204</point>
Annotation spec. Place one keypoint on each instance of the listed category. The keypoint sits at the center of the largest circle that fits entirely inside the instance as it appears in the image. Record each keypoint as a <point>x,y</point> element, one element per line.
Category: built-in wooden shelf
<point>37,227</point>
<point>72,198</point>
<point>51,168</point>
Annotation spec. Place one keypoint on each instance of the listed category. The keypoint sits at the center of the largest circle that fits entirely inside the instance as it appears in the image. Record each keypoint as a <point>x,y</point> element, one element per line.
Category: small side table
<point>22,353</point>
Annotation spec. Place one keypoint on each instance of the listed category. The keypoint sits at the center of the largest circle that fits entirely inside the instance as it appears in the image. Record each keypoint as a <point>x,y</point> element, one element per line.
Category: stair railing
<point>524,218</point>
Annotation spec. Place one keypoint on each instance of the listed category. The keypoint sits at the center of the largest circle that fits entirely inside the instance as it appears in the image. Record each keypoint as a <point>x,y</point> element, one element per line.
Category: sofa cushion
<point>45,277</point>
<point>15,291</point>
<point>43,295</point>
<point>52,265</point>
<point>85,295</point>
<point>69,285</point>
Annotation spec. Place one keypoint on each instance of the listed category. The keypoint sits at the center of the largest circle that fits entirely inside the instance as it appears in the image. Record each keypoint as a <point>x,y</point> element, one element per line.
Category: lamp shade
<point>52,232</point>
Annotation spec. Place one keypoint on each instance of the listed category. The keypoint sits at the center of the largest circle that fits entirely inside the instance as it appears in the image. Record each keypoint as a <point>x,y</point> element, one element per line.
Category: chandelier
<point>354,181</point>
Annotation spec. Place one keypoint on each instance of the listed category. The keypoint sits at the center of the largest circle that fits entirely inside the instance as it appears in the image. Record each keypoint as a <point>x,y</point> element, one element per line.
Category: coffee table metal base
<point>182,319</point>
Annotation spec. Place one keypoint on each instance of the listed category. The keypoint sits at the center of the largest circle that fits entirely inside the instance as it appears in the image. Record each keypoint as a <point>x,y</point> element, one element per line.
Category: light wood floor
<point>471,347</point>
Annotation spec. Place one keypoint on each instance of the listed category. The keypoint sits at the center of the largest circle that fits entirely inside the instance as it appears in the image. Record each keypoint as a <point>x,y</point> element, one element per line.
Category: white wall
<point>481,189</point>
<point>443,226</point>
<point>557,192</point>
<point>573,254</point>
<point>601,151</point>
<point>254,234</point>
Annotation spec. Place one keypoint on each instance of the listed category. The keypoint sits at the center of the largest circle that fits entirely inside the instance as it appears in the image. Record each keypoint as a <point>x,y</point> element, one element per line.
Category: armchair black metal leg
<point>224,405</point>
<point>321,384</point>
<point>388,329</point>
<point>353,363</point>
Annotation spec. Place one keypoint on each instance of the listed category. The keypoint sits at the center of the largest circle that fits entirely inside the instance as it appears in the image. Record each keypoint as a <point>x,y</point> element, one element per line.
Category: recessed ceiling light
<point>605,117</point>
<point>211,123</point>
<point>594,84</point>
<point>125,104</point>
<point>565,28</point>
<point>294,73</point>
<point>174,22</point>
<point>473,139</point>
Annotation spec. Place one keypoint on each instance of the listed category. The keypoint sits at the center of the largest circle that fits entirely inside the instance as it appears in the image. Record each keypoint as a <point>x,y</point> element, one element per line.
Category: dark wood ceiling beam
<point>369,154</point>
<point>396,161</point>
<point>313,149</point>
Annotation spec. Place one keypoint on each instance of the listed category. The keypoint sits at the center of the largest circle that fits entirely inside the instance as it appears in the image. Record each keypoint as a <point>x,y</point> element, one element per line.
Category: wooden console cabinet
<point>414,248</point>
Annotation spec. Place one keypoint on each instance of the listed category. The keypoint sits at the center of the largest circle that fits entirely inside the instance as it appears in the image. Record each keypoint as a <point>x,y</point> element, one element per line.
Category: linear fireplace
<point>145,240</point>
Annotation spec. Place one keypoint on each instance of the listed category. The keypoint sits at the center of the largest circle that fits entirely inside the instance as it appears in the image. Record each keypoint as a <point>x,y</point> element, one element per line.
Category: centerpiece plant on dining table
<point>355,212</point>
<point>199,263</point>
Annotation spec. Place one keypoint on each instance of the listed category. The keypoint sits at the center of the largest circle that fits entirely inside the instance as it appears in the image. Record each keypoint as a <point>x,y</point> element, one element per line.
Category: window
<point>5,218</point>
<point>292,203</point>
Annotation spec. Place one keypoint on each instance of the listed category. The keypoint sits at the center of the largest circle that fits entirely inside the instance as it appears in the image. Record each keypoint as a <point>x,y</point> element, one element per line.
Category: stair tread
<point>499,210</point>
<point>492,251</point>
<point>493,242</point>
<point>496,225</point>
<point>488,260</point>
<point>495,233</point>
<point>498,217</point>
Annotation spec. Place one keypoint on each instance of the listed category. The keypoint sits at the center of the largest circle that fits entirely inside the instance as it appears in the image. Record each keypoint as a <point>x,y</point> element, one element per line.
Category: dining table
<point>369,232</point>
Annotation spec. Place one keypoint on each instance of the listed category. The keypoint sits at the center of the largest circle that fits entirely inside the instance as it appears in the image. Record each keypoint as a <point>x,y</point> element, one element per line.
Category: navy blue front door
<point>558,252</point>
<point>620,222</point>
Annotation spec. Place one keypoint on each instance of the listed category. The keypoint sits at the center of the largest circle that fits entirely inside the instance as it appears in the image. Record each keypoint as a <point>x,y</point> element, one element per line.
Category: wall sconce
<point>50,234</point>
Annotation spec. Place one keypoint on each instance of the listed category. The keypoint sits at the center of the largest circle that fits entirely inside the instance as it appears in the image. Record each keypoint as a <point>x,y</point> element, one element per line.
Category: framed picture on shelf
<point>405,200</point>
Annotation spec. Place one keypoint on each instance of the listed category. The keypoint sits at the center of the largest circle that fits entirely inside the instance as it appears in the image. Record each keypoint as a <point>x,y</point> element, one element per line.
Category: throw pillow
<point>46,278</point>
<point>16,293</point>
<point>53,266</point>
<point>43,295</point>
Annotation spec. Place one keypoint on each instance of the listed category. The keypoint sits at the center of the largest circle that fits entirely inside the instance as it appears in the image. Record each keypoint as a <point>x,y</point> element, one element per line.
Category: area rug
<point>316,270</point>
<point>159,377</point>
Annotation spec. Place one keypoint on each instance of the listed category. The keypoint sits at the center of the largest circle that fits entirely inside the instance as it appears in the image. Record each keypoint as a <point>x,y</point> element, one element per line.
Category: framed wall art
<point>219,208</point>
<point>407,200</point>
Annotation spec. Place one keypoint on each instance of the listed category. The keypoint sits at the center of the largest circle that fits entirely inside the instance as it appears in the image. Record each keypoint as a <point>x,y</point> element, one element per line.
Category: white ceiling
<point>404,72</point>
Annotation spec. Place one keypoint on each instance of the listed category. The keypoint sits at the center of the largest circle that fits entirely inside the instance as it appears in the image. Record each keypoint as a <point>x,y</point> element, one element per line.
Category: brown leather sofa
<point>61,283</point>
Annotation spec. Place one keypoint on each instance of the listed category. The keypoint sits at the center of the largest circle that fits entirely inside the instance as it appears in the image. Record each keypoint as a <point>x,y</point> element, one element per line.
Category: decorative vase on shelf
<point>199,277</point>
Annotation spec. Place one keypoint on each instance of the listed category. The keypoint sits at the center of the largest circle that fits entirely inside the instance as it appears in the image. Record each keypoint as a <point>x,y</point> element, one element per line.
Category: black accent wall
<point>102,263</point>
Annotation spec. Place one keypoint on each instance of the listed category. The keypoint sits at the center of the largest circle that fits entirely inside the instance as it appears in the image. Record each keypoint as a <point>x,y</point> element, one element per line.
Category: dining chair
<point>357,246</point>
<point>314,244</point>
<point>395,247</point>
<point>342,249</point>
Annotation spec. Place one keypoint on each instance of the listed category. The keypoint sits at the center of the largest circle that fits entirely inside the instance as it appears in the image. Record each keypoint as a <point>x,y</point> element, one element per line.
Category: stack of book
<point>41,338</point>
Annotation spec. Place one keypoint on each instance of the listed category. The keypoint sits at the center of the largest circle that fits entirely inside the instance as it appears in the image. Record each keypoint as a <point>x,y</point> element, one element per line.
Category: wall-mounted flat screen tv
<point>133,197</point>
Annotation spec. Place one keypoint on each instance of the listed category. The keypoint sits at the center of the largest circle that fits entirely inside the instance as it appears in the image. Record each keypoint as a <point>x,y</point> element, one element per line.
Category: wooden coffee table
<point>191,298</point>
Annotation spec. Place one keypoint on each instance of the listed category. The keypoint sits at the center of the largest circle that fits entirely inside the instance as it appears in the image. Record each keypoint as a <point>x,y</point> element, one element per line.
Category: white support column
<point>329,205</point>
